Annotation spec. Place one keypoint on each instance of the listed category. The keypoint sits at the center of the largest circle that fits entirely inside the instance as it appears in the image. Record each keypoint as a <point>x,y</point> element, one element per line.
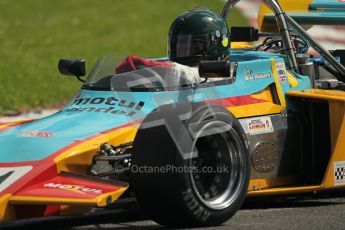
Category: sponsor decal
<point>11,174</point>
<point>225,41</point>
<point>38,134</point>
<point>74,188</point>
<point>281,71</point>
<point>339,173</point>
<point>110,105</point>
<point>258,125</point>
<point>248,75</point>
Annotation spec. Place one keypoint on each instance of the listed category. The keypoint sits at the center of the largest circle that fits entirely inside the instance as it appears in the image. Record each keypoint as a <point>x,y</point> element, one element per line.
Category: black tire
<point>187,196</point>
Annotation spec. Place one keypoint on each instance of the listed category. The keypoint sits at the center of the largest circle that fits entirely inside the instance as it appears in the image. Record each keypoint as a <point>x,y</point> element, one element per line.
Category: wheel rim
<point>218,173</point>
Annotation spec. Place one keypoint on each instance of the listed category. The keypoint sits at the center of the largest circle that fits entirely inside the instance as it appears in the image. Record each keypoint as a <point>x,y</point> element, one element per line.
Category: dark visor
<point>188,45</point>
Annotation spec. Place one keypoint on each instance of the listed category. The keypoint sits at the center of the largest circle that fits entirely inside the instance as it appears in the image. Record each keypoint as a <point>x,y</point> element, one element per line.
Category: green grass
<point>35,34</point>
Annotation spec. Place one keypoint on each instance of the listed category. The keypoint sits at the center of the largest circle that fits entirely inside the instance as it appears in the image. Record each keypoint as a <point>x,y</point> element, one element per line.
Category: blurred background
<point>35,34</point>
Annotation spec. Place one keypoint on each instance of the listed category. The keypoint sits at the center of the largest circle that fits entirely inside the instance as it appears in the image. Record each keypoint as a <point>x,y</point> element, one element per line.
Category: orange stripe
<point>64,149</point>
<point>12,125</point>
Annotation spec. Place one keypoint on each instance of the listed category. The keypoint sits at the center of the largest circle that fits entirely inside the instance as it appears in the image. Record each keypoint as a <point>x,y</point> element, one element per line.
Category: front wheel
<point>197,170</point>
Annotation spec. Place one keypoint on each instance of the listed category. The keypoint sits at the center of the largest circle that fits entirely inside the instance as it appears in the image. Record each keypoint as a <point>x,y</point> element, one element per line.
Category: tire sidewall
<point>169,198</point>
<point>194,206</point>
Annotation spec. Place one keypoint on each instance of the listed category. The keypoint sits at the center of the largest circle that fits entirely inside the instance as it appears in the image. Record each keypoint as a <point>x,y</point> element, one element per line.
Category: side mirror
<point>72,67</point>
<point>244,34</point>
<point>217,69</point>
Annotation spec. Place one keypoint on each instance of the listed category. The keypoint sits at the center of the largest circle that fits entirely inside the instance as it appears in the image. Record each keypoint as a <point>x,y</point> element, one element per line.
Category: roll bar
<point>283,21</point>
<point>321,50</point>
<point>282,25</point>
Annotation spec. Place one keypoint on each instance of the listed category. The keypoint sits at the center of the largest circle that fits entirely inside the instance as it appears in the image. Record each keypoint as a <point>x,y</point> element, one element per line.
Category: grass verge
<point>34,35</point>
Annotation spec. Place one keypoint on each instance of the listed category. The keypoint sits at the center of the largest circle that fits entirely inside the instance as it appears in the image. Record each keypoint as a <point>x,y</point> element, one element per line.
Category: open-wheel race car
<point>267,121</point>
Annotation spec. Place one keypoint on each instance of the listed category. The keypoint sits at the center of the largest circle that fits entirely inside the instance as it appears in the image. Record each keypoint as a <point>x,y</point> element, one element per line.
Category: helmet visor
<point>186,45</point>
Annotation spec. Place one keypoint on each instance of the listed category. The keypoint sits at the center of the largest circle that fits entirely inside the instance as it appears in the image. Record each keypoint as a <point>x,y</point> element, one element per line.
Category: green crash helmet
<point>198,34</point>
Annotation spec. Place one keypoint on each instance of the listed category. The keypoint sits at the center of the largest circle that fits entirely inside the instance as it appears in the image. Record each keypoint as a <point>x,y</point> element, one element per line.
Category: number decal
<point>10,175</point>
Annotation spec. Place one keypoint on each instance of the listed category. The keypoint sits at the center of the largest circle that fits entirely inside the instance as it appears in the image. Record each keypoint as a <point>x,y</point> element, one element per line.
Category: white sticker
<point>339,173</point>
<point>281,71</point>
<point>257,125</point>
<point>249,76</point>
<point>11,174</point>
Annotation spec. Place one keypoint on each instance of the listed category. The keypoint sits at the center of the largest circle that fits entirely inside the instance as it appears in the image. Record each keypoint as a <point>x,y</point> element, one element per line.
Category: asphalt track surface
<point>323,211</point>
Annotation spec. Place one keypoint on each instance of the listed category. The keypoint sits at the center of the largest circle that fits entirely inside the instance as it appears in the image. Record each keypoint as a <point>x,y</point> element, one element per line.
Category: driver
<point>196,35</point>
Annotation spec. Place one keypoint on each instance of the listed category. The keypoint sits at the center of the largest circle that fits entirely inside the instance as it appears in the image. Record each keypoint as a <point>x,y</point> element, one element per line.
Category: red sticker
<point>282,79</point>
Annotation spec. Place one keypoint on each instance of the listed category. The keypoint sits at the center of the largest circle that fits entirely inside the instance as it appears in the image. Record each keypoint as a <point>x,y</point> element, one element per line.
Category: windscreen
<point>105,76</point>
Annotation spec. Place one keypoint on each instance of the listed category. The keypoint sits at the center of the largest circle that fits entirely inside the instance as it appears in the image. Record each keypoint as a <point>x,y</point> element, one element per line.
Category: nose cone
<point>41,138</point>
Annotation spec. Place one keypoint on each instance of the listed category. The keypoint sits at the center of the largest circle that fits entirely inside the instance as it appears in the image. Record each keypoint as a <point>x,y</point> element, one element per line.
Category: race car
<point>269,121</point>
